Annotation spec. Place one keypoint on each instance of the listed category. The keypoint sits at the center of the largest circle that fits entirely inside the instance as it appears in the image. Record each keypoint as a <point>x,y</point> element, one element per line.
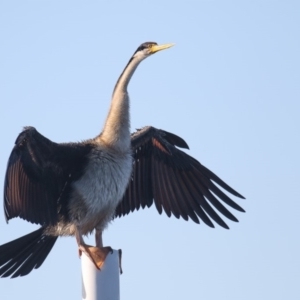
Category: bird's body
<point>76,188</point>
<point>107,174</point>
<point>95,195</point>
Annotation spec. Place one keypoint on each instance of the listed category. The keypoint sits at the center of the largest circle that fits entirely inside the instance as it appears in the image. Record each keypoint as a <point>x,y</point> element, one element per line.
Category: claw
<point>96,254</point>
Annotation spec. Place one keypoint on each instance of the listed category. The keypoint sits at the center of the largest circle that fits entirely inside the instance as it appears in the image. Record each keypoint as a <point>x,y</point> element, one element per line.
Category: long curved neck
<point>116,131</point>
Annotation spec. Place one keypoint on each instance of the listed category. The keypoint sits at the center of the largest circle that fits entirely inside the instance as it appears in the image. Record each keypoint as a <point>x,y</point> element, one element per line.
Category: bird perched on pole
<point>72,189</point>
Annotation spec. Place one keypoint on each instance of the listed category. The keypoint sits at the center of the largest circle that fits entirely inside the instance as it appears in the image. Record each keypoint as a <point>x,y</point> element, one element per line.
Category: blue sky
<point>230,88</point>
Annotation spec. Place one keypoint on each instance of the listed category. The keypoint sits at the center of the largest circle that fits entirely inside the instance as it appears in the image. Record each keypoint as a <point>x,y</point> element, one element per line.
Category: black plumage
<point>72,189</point>
<point>40,173</point>
<point>38,176</point>
<point>177,183</point>
<point>19,257</point>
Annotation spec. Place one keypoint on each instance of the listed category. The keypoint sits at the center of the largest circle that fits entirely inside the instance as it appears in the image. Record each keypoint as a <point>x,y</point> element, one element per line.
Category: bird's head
<point>142,52</point>
<point>149,48</point>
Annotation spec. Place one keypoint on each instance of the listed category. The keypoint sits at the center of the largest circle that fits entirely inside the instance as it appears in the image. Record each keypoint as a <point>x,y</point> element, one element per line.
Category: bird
<point>77,188</point>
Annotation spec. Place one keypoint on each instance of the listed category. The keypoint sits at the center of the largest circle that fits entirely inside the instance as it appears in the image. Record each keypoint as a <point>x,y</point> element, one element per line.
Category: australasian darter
<point>71,189</point>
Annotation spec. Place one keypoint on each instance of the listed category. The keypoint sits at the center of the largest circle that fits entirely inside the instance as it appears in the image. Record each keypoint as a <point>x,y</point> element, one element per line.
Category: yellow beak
<point>156,48</point>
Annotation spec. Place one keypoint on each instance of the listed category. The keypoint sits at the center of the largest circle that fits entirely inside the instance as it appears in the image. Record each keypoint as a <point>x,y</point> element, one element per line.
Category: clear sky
<point>230,88</point>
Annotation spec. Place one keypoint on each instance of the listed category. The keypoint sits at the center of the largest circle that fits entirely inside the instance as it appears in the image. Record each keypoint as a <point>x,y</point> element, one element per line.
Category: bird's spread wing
<point>37,176</point>
<point>174,181</point>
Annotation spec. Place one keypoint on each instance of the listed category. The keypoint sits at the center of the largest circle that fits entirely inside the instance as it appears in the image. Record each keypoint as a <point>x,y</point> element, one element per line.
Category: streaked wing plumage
<point>37,175</point>
<point>177,183</point>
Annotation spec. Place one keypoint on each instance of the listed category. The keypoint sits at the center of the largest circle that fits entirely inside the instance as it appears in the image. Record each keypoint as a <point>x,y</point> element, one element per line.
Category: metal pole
<point>101,284</point>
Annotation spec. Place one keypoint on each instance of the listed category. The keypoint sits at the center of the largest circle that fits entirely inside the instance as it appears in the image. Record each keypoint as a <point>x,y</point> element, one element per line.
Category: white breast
<point>100,189</point>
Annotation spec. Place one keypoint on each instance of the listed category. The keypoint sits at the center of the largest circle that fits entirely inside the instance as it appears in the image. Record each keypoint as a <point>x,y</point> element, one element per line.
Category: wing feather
<point>186,193</point>
<point>37,172</point>
<point>177,183</point>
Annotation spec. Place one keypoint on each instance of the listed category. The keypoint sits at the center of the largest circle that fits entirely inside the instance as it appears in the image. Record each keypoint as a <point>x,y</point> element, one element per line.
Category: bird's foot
<point>96,254</point>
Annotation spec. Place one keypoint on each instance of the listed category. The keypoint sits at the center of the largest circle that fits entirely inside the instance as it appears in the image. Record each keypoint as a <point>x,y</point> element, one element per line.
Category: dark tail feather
<point>21,256</point>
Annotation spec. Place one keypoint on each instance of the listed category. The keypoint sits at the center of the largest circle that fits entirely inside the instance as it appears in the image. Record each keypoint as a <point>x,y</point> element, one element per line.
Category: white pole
<point>101,284</point>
